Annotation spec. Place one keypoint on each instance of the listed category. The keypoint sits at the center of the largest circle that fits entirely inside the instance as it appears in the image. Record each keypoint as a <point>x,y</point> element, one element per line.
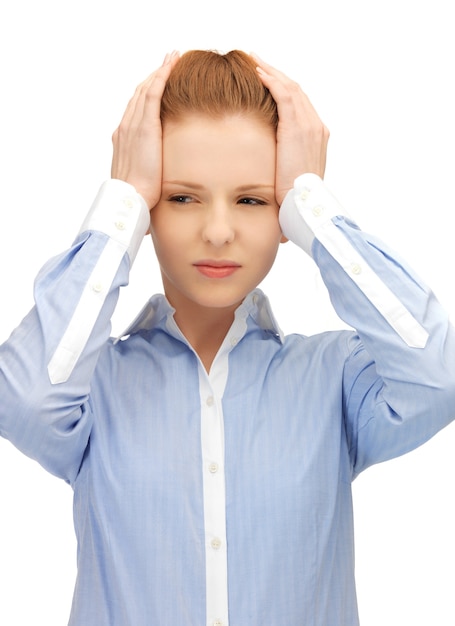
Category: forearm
<point>47,364</point>
<point>400,370</point>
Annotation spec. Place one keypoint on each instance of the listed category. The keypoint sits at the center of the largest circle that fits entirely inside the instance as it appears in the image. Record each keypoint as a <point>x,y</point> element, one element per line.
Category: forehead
<point>229,147</point>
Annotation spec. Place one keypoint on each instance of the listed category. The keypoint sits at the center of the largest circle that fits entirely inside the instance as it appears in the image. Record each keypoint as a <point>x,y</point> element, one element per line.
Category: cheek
<point>163,242</point>
<point>264,244</point>
<point>165,230</point>
<point>266,232</point>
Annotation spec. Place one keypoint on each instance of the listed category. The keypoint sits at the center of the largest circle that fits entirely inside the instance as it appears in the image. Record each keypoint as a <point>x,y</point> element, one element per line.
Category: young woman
<point>211,457</point>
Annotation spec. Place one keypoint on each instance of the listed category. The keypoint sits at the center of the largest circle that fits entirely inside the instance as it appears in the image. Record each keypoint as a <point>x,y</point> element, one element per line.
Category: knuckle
<point>287,97</point>
<point>325,132</point>
<point>121,130</point>
<point>151,93</point>
<point>294,87</point>
<point>291,95</point>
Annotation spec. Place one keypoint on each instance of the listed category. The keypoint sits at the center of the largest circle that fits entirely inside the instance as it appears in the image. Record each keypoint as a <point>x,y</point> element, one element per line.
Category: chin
<point>214,300</point>
<point>221,303</point>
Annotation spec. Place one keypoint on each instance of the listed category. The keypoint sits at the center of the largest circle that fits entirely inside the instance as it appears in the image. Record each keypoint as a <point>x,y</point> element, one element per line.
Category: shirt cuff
<point>308,212</point>
<point>121,213</point>
<point>306,209</point>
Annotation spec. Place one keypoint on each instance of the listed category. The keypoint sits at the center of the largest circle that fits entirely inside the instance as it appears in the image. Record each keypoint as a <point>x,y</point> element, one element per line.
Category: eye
<point>181,199</point>
<point>251,201</point>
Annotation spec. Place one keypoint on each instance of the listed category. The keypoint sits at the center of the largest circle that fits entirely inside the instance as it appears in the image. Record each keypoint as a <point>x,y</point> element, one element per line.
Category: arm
<point>399,387</point>
<point>47,364</point>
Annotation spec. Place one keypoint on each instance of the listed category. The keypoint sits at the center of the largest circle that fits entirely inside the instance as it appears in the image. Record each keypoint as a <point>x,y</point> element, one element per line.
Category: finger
<point>292,102</point>
<point>282,88</point>
<point>130,120</point>
<point>141,121</point>
<point>135,109</point>
<point>269,69</point>
<point>153,91</point>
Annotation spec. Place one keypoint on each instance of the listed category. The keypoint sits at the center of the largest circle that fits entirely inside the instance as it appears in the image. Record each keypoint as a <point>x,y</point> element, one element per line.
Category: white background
<point>381,75</point>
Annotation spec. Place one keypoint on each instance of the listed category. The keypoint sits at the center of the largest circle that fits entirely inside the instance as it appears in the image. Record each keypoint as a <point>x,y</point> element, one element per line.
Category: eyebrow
<point>184,183</point>
<point>254,186</point>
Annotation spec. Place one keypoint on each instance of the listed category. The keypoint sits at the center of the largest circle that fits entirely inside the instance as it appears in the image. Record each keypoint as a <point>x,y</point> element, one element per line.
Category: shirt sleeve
<point>399,383</point>
<point>47,363</point>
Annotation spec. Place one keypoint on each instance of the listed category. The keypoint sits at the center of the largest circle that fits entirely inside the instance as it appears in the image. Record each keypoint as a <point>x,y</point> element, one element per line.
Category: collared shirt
<point>223,497</point>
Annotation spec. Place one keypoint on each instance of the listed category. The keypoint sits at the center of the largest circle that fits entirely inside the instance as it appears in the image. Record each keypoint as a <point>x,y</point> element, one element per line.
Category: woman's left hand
<point>301,136</point>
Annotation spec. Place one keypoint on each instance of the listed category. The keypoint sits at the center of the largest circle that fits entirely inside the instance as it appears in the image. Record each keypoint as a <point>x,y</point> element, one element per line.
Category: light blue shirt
<point>223,498</point>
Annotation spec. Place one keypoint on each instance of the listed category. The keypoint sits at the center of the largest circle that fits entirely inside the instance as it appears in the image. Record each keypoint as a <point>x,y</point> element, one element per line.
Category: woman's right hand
<point>137,142</point>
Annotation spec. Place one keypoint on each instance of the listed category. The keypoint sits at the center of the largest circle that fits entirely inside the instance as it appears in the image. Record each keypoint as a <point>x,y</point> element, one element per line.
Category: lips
<point>216,268</point>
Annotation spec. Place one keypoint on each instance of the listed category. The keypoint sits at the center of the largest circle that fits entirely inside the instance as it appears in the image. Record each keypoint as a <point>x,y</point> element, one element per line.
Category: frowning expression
<point>215,228</point>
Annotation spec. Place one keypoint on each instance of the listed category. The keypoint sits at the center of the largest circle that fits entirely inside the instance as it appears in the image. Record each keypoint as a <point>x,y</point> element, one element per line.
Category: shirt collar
<point>256,305</point>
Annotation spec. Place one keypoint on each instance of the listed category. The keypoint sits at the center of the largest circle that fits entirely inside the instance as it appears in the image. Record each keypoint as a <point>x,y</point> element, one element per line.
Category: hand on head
<point>137,157</point>
<point>301,136</point>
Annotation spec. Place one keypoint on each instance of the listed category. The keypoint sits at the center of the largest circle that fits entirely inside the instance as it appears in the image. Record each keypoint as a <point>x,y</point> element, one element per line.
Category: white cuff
<point>307,213</point>
<point>306,209</point>
<point>121,213</point>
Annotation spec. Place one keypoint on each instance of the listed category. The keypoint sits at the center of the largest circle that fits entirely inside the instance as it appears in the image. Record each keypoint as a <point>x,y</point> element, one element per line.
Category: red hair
<point>217,84</point>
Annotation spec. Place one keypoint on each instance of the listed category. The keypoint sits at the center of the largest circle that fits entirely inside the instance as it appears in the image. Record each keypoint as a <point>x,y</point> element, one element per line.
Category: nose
<point>218,228</point>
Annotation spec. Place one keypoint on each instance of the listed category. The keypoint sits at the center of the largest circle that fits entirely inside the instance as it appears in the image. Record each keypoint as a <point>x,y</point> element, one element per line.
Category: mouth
<point>216,268</point>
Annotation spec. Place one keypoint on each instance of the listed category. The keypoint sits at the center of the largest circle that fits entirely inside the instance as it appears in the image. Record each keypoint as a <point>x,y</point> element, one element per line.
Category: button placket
<point>210,401</point>
<point>356,268</point>
<point>216,543</point>
<point>213,467</point>
<point>212,440</point>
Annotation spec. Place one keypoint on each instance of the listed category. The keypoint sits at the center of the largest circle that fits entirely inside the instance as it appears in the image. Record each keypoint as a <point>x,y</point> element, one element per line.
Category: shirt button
<point>318,211</point>
<point>234,341</point>
<point>217,622</point>
<point>213,468</point>
<point>210,401</point>
<point>255,298</point>
<point>128,202</point>
<point>356,268</point>
<point>97,287</point>
<point>216,543</point>
<point>305,193</point>
<point>119,225</point>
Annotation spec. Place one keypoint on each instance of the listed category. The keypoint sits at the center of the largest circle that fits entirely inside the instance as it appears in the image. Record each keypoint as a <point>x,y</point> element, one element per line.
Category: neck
<point>205,329</point>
